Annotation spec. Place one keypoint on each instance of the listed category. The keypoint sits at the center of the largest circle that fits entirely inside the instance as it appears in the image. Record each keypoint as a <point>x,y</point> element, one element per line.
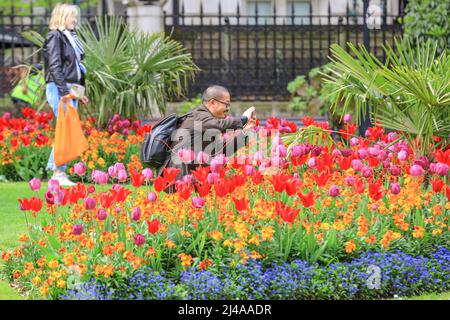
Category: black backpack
<point>156,146</point>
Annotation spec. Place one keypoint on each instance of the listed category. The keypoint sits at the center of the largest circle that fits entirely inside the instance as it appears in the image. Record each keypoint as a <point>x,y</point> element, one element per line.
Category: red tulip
<point>153,226</point>
<point>286,213</point>
<point>241,204</point>
<point>437,185</point>
<point>307,200</point>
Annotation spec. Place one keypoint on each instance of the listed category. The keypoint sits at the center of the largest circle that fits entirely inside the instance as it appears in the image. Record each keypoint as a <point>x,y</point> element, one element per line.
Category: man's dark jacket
<point>203,131</point>
<point>60,62</point>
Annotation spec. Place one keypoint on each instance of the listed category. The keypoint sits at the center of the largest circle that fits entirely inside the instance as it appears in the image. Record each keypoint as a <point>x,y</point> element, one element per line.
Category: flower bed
<point>323,204</point>
<point>373,275</point>
<point>25,144</point>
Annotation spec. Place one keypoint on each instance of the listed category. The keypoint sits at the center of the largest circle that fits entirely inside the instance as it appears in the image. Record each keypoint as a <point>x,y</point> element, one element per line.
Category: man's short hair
<point>214,92</point>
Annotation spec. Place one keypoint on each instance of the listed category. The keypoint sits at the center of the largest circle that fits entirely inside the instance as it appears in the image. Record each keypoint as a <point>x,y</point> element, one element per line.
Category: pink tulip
<point>119,166</point>
<point>112,171</point>
<point>416,170</point>
<point>212,178</point>
<point>334,191</point>
<point>354,142</point>
<point>395,188</point>
<point>35,184</point>
<point>402,155</point>
<point>440,169</point>
<point>102,214</point>
<point>99,177</point>
<point>363,153</point>
<point>147,173</point>
<point>188,179</point>
<point>347,118</point>
<point>122,175</point>
<point>374,152</point>
<point>90,203</point>
<point>349,180</point>
<point>357,164</point>
<point>198,202</point>
<point>79,168</point>
<point>186,156</point>
<point>366,171</point>
<point>312,162</point>
<point>139,239</point>
<point>395,170</point>
<point>275,161</point>
<point>202,157</point>
<point>316,151</point>
<point>215,166</point>
<point>382,155</point>
<point>53,185</point>
<point>151,196</point>
<point>250,170</point>
<point>136,213</point>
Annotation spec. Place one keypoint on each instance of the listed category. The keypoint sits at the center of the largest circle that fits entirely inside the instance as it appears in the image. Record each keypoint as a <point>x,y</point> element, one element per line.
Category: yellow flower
<point>228,243</point>
<point>53,264</point>
<point>267,233</point>
<point>216,235</point>
<point>61,284</point>
<point>170,244</point>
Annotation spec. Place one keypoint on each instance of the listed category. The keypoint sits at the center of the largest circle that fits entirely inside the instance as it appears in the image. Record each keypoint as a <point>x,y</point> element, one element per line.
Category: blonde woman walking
<point>63,55</point>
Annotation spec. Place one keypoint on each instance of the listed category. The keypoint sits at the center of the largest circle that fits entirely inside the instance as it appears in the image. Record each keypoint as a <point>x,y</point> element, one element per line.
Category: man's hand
<point>84,100</point>
<point>249,113</point>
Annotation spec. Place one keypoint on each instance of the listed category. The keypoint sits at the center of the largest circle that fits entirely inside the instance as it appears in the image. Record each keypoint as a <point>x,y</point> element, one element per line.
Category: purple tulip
<point>77,229</point>
<point>439,168</point>
<point>90,203</point>
<point>395,188</point>
<point>35,184</point>
<point>395,170</point>
<point>136,214</point>
<point>316,151</point>
<point>198,202</point>
<point>49,197</point>
<point>346,152</point>
<point>139,239</point>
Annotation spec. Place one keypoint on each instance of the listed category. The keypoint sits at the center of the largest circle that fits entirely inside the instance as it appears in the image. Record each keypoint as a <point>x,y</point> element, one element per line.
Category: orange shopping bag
<point>70,141</point>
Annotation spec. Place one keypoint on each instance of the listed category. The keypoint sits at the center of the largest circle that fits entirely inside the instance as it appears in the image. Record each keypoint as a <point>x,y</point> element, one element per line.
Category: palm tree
<point>130,72</point>
<point>410,92</point>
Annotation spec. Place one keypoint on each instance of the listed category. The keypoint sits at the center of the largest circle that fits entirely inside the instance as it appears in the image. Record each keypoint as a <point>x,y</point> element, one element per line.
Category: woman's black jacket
<point>60,62</point>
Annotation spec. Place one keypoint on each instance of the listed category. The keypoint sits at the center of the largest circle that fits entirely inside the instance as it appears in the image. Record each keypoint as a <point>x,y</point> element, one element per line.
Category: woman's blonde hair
<point>60,14</point>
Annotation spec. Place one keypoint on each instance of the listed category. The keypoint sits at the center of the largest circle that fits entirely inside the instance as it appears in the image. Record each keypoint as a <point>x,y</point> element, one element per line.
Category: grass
<point>12,224</point>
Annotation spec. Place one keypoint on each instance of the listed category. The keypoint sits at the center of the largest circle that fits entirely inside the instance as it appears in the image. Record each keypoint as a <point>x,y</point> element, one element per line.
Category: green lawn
<point>12,224</point>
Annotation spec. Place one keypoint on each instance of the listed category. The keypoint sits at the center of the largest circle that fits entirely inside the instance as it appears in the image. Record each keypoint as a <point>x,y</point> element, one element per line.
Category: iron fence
<point>256,55</point>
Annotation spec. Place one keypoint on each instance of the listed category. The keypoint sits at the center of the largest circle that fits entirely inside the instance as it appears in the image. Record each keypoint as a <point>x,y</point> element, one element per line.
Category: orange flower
<point>186,260</point>
<point>36,281</point>
<point>418,232</point>
<point>108,270</point>
<point>16,274</point>
<point>170,244</point>
<point>23,238</point>
<point>216,235</point>
<point>6,256</point>
<point>350,246</point>
<point>53,264</point>
<point>44,290</point>
<point>371,239</point>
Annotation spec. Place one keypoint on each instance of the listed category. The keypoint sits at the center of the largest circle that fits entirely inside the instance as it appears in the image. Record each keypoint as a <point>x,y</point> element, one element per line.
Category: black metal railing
<point>255,55</point>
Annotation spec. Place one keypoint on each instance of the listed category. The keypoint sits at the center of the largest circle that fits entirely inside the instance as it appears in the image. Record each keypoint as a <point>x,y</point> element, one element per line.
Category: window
<point>265,11</point>
<point>301,11</point>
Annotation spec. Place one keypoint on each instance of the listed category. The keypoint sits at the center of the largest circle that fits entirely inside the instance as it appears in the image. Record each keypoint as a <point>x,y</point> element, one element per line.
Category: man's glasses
<point>225,103</point>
